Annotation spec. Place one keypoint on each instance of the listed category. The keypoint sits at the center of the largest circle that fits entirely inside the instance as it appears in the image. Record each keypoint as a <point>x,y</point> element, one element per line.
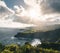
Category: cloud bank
<point>43,14</point>
<point>6,18</point>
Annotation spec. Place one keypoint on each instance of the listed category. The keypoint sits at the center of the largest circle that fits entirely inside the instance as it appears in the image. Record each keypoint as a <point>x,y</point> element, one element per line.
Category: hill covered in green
<point>48,36</point>
<point>28,48</point>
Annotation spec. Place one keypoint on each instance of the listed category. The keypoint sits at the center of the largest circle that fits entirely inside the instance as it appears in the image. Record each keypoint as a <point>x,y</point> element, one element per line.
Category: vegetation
<point>46,36</point>
<point>28,48</point>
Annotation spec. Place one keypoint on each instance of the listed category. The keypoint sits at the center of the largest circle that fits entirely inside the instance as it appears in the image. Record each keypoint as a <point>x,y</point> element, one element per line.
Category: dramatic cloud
<point>9,24</point>
<point>40,13</point>
<point>4,10</point>
<point>55,5</point>
<point>6,18</point>
<point>43,14</point>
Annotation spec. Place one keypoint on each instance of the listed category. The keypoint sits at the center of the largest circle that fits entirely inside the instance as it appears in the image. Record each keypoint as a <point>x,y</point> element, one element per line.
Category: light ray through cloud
<point>39,13</point>
<point>6,20</point>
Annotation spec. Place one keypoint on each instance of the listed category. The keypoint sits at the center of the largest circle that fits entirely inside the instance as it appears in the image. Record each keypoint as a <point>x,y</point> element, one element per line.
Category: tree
<point>13,48</point>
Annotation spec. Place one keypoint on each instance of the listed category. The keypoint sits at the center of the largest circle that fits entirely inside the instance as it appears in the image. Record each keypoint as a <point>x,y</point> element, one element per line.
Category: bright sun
<point>33,13</point>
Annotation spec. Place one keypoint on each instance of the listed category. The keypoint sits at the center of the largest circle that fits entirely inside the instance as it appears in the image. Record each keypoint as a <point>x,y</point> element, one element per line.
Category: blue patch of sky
<point>11,3</point>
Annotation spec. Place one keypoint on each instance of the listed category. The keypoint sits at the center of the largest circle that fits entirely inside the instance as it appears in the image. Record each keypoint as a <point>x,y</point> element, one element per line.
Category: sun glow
<point>36,12</point>
<point>33,10</point>
<point>33,13</point>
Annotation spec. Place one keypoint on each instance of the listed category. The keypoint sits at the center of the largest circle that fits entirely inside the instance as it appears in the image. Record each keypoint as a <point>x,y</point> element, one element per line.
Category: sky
<point>11,3</point>
<point>7,15</point>
<point>54,4</point>
<point>44,14</point>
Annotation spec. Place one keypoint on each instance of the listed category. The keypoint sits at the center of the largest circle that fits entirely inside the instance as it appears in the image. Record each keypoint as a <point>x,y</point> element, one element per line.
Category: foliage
<point>28,48</point>
<point>1,47</point>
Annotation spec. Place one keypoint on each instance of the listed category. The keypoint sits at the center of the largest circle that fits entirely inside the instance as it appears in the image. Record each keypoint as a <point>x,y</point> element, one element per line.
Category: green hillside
<point>28,48</point>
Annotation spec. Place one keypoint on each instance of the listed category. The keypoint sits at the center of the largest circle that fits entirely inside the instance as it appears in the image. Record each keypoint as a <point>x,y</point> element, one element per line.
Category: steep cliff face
<point>50,36</point>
